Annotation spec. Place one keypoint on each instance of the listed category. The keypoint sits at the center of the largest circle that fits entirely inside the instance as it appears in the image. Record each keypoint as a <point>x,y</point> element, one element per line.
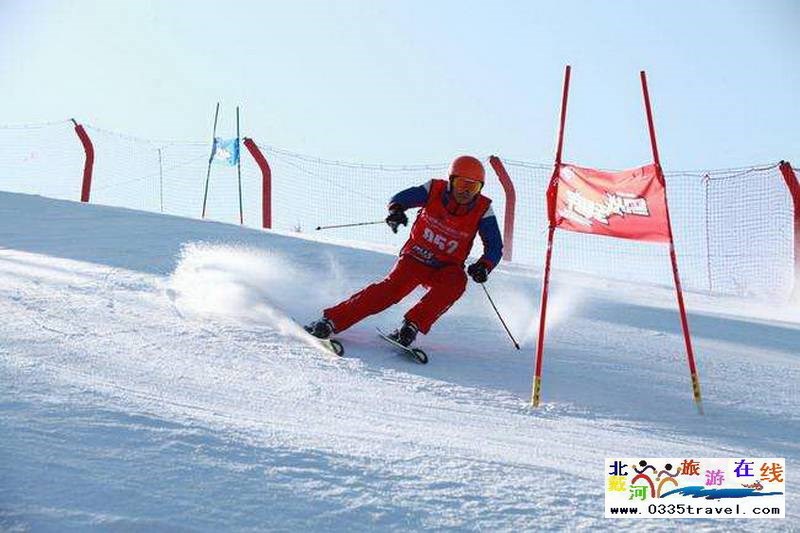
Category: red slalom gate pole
<point>88,165</point>
<point>536,395</point>
<point>673,257</point>
<point>551,190</point>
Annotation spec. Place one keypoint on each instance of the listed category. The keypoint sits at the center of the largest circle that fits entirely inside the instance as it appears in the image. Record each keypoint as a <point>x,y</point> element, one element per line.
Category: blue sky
<point>417,82</point>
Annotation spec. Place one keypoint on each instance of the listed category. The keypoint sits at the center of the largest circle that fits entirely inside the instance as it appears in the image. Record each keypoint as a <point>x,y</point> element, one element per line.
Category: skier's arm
<point>492,241</point>
<point>410,198</point>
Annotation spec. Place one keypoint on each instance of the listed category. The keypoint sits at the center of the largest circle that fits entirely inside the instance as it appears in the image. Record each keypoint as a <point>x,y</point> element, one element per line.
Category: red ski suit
<point>441,239</point>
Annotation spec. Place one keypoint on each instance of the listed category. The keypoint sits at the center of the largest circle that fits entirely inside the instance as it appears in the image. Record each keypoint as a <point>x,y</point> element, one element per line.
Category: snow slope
<point>150,379</point>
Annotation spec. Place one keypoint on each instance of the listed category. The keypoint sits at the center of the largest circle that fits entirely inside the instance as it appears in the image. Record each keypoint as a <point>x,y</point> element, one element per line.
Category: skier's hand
<point>396,217</point>
<point>478,272</point>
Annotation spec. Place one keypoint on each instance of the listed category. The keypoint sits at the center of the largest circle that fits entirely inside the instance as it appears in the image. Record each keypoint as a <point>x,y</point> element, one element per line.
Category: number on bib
<point>439,241</point>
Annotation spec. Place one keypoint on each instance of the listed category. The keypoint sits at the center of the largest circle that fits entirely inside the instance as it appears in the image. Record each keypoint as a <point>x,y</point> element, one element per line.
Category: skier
<point>452,213</point>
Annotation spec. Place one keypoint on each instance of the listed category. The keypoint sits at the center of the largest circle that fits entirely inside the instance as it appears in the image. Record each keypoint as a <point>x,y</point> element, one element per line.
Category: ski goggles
<point>463,184</point>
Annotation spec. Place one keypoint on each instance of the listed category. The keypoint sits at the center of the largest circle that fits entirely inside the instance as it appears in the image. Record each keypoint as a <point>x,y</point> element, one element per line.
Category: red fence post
<point>511,202</point>
<point>794,189</point>
<point>88,164</point>
<point>266,182</point>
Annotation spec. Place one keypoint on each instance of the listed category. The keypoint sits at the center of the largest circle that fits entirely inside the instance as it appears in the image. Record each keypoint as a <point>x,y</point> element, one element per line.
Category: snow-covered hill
<point>150,379</point>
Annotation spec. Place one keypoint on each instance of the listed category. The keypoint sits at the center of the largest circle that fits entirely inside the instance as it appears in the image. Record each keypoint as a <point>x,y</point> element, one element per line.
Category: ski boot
<point>321,328</point>
<point>405,334</point>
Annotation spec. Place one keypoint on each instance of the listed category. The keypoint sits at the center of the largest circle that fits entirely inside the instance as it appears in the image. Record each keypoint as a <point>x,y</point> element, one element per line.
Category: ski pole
<point>516,344</point>
<point>351,225</point>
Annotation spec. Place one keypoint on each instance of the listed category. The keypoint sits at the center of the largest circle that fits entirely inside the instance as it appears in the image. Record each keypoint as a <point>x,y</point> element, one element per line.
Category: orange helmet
<point>468,167</point>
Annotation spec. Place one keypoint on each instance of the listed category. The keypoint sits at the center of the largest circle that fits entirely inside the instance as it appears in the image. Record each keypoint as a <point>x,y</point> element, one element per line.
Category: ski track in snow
<point>152,378</point>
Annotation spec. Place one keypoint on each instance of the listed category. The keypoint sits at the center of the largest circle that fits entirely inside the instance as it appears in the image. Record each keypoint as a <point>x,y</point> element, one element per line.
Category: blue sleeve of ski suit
<point>411,197</point>
<point>492,241</point>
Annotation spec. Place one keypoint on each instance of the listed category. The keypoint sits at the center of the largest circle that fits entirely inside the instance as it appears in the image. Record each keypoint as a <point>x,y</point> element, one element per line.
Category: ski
<point>332,345</point>
<point>416,354</point>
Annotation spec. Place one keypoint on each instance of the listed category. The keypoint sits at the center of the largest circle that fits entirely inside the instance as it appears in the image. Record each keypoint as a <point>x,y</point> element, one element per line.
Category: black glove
<point>478,272</point>
<point>396,217</point>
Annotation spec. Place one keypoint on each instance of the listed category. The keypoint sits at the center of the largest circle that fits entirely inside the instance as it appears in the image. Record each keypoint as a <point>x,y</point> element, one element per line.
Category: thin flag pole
<point>239,167</point>
<point>210,158</point>
<point>673,257</point>
<point>537,377</point>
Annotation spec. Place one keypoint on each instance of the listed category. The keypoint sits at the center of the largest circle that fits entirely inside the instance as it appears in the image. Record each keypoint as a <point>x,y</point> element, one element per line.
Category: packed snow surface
<point>152,378</point>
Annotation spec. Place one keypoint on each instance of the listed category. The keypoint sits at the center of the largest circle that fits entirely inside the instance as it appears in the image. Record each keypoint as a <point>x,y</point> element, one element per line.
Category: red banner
<point>629,204</point>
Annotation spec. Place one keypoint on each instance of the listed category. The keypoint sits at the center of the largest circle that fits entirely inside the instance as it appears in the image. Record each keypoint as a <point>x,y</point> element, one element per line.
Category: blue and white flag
<point>225,150</point>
